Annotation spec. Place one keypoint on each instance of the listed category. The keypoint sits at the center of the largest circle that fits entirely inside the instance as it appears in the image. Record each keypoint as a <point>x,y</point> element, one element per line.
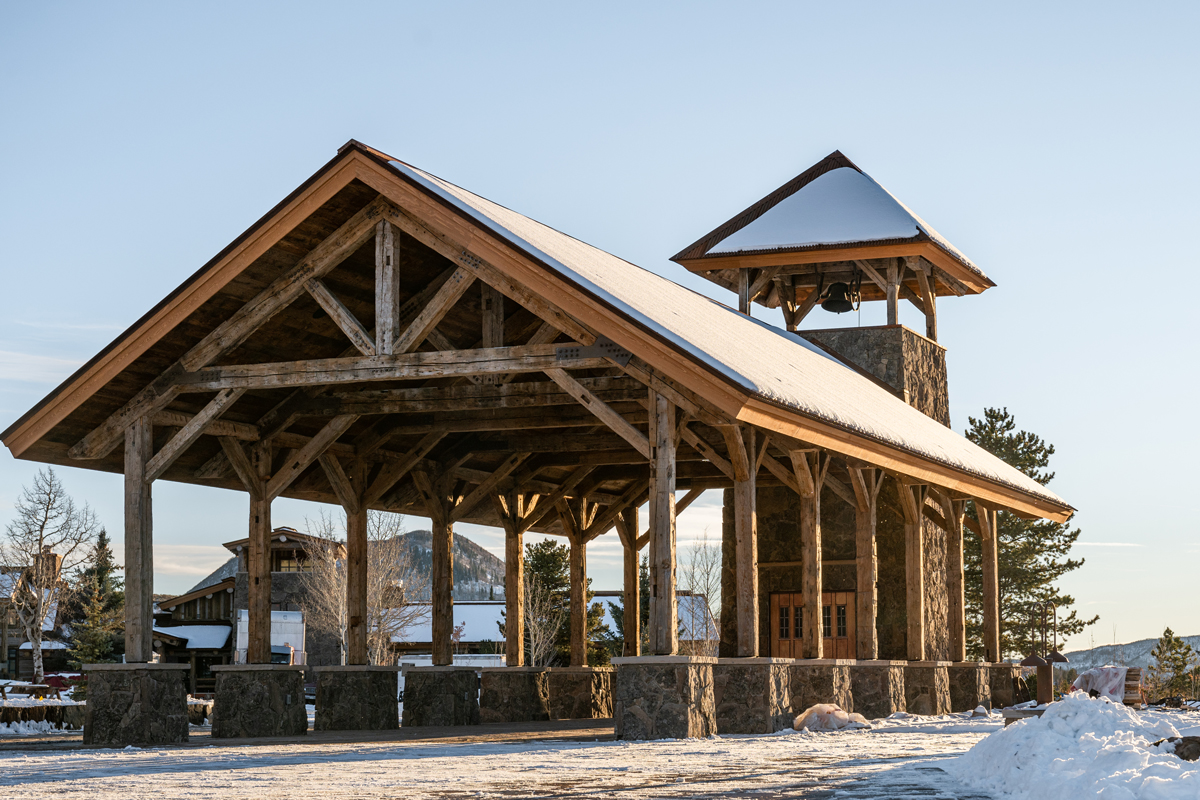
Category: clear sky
<point>1053,143</point>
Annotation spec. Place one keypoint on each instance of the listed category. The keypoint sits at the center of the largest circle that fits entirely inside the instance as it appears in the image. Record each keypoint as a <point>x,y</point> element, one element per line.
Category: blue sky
<point>1055,145</point>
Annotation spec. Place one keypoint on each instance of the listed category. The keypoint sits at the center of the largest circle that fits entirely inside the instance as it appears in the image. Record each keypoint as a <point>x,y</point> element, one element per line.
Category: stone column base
<point>136,704</point>
<point>927,687</point>
<point>820,680</point>
<point>1003,681</point>
<point>752,695</point>
<point>357,698</point>
<point>969,686</point>
<point>440,696</point>
<point>514,694</point>
<point>878,687</point>
<point>664,697</point>
<point>256,700</point>
<point>580,692</point>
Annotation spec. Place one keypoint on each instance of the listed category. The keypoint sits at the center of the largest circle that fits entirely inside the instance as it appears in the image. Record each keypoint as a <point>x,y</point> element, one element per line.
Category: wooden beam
<point>343,317</point>
<point>893,292</point>
<point>634,496</point>
<point>927,297</point>
<point>350,498</point>
<point>810,474</point>
<point>387,290</point>
<point>763,281</point>
<point>217,427</point>
<point>514,578</point>
<point>437,507</point>
<point>602,410</point>
<point>991,581</point>
<point>393,471</point>
<point>871,273</point>
<point>738,457</point>
<point>577,582</point>
<point>441,303</point>
<point>627,528</point>
<point>258,562</point>
<point>679,395</point>
<point>564,489</point>
<point>242,467</point>
<point>664,616</point>
<point>743,290</point>
<point>357,619</point>
<point>190,432</point>
<point>745,522</point>
<point>307,455</point>
<point>912,500</point>
<point>681,504</point>
<point>787,300</point>
<point>702,447</point>
<point>407,366</point>
<point>867,483</point>
<point>488,487</point>
<point>139,544</point>
<point>804,306</point>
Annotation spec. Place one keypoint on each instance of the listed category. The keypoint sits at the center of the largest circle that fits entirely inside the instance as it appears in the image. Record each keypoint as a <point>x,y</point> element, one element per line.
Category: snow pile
<point>828,717</point>
<point>28,728</point>
<point>1080,747</point>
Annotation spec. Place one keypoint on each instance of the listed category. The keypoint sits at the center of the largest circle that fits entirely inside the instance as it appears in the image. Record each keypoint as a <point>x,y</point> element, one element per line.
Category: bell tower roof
<point>832,223</point>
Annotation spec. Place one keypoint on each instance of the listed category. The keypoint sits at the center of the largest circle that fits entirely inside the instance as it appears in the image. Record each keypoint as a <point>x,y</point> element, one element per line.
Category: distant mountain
<point>478,575</point>
<point>1133,654</point>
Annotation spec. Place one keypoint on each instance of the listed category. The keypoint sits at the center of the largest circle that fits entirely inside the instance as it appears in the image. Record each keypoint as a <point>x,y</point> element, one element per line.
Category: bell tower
<point>830,239</point>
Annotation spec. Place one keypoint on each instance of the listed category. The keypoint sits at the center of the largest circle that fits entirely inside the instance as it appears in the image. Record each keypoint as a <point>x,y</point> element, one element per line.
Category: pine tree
<point>100,570</point>
<point>1169,675</point>
<point>618,610</point>
<point>92,636</point>
<point>551,563</point>
<point>1033,554</point>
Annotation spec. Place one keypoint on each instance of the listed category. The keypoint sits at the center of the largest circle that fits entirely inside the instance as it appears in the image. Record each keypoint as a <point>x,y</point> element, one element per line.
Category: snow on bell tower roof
<point>831,219</point>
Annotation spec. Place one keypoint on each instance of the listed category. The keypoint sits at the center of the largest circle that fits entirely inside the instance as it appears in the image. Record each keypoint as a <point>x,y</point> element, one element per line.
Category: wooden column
<point>631,601</point>
<point>991,581</point>
<point>578,602</point>
<point>664,616</point>
<point>514,581</point>
<point>893,292</point>
<point>387,290</point>
<point>744,291</point>
<point>258,563</point>
<point>436,495</point>
<point>745,519</point>
<point>912,500</point>
<point>866,489</point>
<point>953,510</point>
<point>139,544</point>
<point>356,585</point>
<point>810,475</point>
<point>928,295</point>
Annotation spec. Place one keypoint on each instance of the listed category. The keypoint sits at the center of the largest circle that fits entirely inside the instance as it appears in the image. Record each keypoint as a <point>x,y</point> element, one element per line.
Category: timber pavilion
<point>383,339</point>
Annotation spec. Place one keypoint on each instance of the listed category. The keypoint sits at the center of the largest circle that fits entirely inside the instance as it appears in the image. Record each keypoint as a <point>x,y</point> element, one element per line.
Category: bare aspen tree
<point>544,617</point>
<point>700,572</point>
<point>48,536</point>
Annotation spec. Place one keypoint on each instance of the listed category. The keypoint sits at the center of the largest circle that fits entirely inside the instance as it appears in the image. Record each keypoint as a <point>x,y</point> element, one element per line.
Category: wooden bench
<point>38,690</point>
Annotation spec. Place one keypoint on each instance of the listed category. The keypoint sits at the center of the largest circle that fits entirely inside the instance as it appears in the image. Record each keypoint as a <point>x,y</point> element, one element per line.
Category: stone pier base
<point>357,698</point>
<point>969,686</point>
<point>752,695</point>
<point>440,696</point>
<point>1003,680</point>
<point>255,700</point>
<point>514,694</point>
<point>878,687</point>
<point>580,692</point>
<point>927,687</point>
<point>136,704</point>
<point>820,680</point>
<point>664,697</point>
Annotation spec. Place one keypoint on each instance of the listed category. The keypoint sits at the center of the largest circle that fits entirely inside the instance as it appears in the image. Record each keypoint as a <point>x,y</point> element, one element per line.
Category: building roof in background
<point>480,619</point>
<point>198,637</point>
<point>221,573</point>
<point>225,585</point>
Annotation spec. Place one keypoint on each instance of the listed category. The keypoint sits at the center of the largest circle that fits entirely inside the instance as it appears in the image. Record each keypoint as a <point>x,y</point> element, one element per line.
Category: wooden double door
<point>837,625</point>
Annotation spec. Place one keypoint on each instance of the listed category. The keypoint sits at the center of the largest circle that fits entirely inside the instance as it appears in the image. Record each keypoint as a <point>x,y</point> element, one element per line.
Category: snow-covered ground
<point>1085,748</point>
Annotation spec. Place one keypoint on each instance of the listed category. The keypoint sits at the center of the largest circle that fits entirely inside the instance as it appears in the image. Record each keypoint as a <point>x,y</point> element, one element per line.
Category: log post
<point>810,478</point>
<point>866,486</point>
<point>438,506</point>
<point>631,600</point>
<point>139,544</point>
<point>744,291</point>
<point>664,616</point>
<point>745,517</point>
<point>514,580</point>
<point>953,510</point>
<point>258,563</point>
<point>991,581</point>
<point>387,290</point>
<point>893,292</point>
<point>356,573</point>
<point>912,500</point>
<point>579,607</point>
<point>928,295</point>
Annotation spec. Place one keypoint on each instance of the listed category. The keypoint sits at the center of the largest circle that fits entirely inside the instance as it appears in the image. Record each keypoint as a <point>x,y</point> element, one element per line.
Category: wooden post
<point>664,616</point>
<point>866,487</point>
<point>514,583</point>
<point>912,499</point>
<point>991,582</point>
<point>437,506</point>
<point>893,292</point>
<point>745,517</point>
<point>578,601</point>
<point>810,475</point>
<point>744,291</point>
<point>356,579</point>
<point>953,510</point>
<point>258,563</point>
<point>928,295</point>
<point>387,290</point>
<point>631,601</point>
<point>139,544</point>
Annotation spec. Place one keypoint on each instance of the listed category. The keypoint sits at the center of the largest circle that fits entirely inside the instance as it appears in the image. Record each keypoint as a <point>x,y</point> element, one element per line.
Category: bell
<point>1056,657</point>
<point>1034,660</point>
<point>838,299</point>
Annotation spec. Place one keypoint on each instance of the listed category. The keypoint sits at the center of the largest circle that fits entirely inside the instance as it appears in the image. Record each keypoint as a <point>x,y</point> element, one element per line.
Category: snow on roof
<point>199,637</point>
<point>777,366</point>
<point>481,621</point>
<point>226,570</point>
<point>46,645</point>
<point>696,622</point>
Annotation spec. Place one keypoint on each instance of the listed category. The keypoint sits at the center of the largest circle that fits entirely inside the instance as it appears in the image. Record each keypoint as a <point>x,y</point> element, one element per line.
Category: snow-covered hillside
<point>1133,654</point>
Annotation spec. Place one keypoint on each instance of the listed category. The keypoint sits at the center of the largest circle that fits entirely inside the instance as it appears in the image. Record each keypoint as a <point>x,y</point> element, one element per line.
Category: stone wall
<point>752,695</point>
<point>657,697</point>
<point>580,692</point>
<point>357,699</point>
<point>514,694</point>
<point>259,700</point>
<point>135,704</point>
<point>440,696</point>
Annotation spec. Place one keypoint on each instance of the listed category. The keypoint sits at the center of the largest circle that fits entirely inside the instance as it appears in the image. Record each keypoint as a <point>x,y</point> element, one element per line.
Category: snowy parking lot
<point>1085,748</point>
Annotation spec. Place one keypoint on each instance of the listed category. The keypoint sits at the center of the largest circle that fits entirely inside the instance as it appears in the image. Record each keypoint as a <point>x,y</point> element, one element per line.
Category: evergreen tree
<point>97,574</point>
<point>1033,554</point>
<point>551,563</point>
<point>92,636</point>
<point>617,642</point>
<point>1169,675</point>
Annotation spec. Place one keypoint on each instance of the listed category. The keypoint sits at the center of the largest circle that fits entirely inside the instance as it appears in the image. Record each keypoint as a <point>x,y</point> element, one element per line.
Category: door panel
<point>837,623</point>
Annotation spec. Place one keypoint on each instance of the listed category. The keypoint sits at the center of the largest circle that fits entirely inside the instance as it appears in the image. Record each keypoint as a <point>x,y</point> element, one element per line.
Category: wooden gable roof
<point>299,287</point>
